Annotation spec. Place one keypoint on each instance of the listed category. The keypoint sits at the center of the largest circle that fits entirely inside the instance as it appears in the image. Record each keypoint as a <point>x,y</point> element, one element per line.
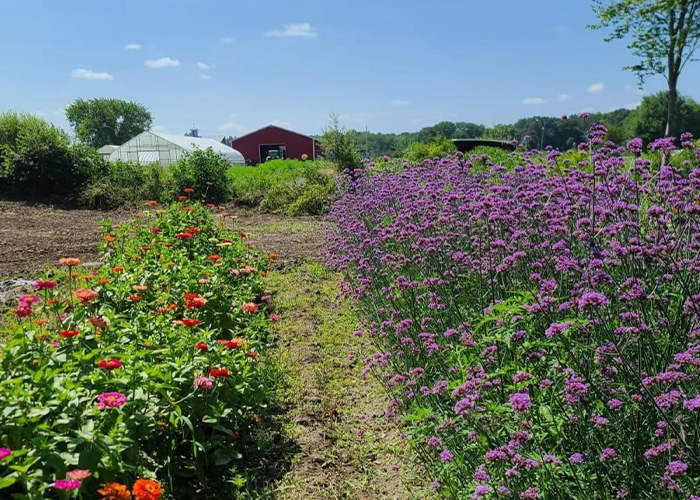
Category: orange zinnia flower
<point>188,209</point>
<point>85,295</point>
<point>190,296</point>
<point>182,198</point>
<point>102,281</point>
<point>191,323</point>
<point>273,257</point>
<point>108,238</point>
<point>147,489</point>
<point>216,256</point>
<point>152,203</point>
<point>188,190</point>
<point>117,269</point>
<point>69,261</point>
<point>140,288</point>
<point>114,491</point>
<point>135,298</point>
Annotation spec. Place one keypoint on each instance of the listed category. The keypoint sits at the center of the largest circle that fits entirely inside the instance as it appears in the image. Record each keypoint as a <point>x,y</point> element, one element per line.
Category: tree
<point>98,122</point>
<point>339,147</point>
<point>664,34</point>
<point>648,120</point>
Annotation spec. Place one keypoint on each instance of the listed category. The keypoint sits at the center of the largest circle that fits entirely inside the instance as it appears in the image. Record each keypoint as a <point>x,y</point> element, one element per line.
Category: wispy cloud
<point>534,101</point>
<point>231,127</point>
<point>595,88</point>
<point>90,75</point>
<point>202,65</point>
<point>205,77</point>
<point>301,30</point>
<point>397,103</point>
<point>132,46</point>
<point>227,40</point>
<point>163,62</point>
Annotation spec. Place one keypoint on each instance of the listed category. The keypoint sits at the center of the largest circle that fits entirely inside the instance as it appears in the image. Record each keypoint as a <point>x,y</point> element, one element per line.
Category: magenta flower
<point>446,456</point>
<point>530,493</point>
<point>607,454</point>
<point>67,484</point>
<point>110,400</point>
<point>4,453</point>
<point>203,382</point>
<point>44,285</point>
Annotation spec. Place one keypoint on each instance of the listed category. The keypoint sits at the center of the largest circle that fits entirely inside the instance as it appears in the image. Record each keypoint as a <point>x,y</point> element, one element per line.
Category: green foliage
<point>37,158</point>
<point>436,148</point>
<point>126,184</point>
<point>500,132</point>
<point>290,186</point>
<point>205,172</point>
<point>170,426</point>
<point>648,121</point>
<point>102,121</point>
<point>339,147</point>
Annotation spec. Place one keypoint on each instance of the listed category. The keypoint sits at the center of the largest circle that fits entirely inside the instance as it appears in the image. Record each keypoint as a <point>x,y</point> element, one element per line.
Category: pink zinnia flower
<point>44,284</point>
<point>203,382</point>
<point>110,400</point>
<point>79,474</point>
<point>67,484</point>
<point>5,452</point>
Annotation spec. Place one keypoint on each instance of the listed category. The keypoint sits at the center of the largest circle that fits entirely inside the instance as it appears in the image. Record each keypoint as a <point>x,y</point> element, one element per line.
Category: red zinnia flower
<point>184,236</point>
<point>190,323</point>
<point>197,302</point>
<point>234,343</point>
<point>190,296</point>
<point>249,307</point>
<point>69,333</point>
<point>218,372</point>
<point>110,364</point>
<point>201,346</point>
<point>192,230</point>
<point>135,298</point>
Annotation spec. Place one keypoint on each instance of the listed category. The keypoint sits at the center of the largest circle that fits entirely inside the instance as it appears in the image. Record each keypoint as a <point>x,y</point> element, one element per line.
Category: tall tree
<point>98,122</point>
<point>664,35</point>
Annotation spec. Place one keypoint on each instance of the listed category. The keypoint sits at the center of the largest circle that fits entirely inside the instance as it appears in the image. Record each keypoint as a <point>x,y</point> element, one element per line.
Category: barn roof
<point>273,126</point>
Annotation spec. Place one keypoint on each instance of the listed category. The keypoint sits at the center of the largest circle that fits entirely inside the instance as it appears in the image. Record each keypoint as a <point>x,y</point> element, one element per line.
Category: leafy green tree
<point>205,171</point>
<point>501,132</point>
<point>664,35</point>
<point>339,147</point>
<point>648,120</point>
<point>102,121</point>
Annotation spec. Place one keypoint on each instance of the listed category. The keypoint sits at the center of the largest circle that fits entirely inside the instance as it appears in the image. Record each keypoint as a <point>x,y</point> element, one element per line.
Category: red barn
<point>274,142</point>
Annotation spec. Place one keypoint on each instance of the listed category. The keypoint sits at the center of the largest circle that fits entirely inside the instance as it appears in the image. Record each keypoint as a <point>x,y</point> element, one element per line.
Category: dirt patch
<point>293,239</point>
<point>34,236</point>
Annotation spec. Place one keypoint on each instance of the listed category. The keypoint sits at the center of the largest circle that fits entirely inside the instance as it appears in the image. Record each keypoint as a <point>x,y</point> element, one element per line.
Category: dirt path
<point>345,450</point>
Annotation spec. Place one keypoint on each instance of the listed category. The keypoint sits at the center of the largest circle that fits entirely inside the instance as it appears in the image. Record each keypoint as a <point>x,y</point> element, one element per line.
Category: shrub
<point>37,158</point>
<point>146,368</point>
<point>339,147</point>
<point>205,172</point>
<point>537,327</point>
<point>126,183</point>
<point>437,148</point>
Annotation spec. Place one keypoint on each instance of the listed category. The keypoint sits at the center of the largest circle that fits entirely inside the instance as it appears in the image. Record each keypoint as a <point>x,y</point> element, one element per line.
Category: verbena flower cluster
<point>537,324</point>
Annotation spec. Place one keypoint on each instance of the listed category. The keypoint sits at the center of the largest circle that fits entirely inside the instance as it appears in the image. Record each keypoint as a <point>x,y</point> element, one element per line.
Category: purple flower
<point>520,402</point>
<point>530,493</point>
<point>592,299</point>
<point>635,145</point>
<point>676,467</point>
<point>446,456</point>
<point>607,454</point>
<point>434,441</point>
<point>576,458</point>
<point>480,491</point>
<point>692,403</point>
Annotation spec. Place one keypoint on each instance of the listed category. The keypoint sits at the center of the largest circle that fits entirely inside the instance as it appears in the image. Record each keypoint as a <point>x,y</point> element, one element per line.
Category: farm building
<point>107,150</point>
<point>275,142</point>
<point>154,147</point>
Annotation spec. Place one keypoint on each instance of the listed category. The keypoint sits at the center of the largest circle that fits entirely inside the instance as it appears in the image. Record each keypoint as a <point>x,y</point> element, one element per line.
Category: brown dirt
<point>34,236</point>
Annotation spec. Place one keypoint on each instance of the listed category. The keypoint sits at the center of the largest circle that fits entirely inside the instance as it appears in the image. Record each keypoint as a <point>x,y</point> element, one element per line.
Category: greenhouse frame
<point>154,147</point>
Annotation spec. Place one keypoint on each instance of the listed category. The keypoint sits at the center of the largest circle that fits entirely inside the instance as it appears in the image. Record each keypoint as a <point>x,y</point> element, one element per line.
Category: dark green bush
<point>126,183</point>
<point>205,172</point>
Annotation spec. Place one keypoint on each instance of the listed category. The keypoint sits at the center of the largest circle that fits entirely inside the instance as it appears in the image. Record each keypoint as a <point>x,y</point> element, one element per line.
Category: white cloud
<point>227,41</point>
<point>90,75</point>
<point>163,62</point>
<point>534,101</point>
<point>301,30</point>
<point>231,127</point>
<point>202,65</point>
<point>205,77</point>
<point>595,88</point>
<point>132,46</point>
<point>632,105</point>
<point>399,103</point>
<point>563,97</point>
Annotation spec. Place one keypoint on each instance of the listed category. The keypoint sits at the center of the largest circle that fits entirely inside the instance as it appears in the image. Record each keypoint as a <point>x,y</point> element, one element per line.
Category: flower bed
<point>537,326</point>
<point>140,375</point>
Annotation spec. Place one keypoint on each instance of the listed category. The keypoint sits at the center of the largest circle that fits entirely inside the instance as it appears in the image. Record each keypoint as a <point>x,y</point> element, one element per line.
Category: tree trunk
<point>672,118</point>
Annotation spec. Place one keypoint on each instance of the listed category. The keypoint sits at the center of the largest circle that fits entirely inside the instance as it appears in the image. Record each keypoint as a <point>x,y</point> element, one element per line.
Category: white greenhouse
<point>154,147</point>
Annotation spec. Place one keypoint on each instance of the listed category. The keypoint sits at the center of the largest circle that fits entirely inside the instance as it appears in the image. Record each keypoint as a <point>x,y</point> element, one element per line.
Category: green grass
<point>291,186</point>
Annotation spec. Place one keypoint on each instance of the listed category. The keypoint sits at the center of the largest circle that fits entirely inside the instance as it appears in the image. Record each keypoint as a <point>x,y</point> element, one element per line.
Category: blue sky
<point>231,66</point>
